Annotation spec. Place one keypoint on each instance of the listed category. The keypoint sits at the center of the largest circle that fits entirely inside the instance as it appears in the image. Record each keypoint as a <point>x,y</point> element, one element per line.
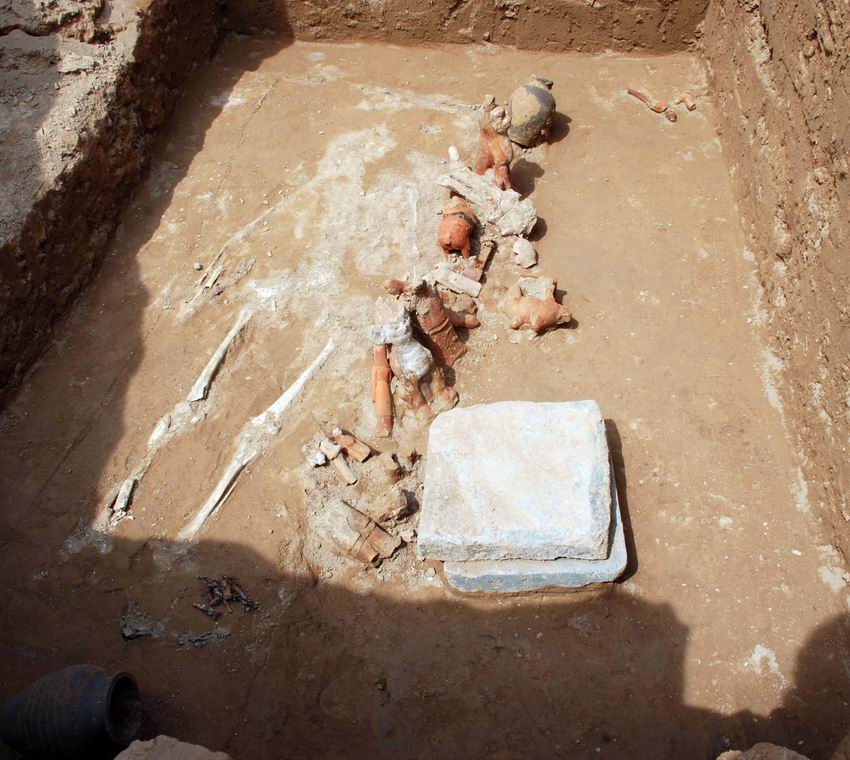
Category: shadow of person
<point>815,713</point>
<point>337,663</point>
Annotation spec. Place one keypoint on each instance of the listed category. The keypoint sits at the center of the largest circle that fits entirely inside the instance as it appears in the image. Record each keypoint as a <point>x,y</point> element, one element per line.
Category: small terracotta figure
<point>411,363</point>
<point>495,150</point>
<point>532,302</point>
<point>382,397</point>
<point>456,228</point>
<point>532,110</point>
<point>434,320</point>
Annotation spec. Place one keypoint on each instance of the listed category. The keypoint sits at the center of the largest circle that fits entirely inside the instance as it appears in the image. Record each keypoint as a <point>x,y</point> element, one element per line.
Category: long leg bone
<point>252,442</point>
<point>202,384</point>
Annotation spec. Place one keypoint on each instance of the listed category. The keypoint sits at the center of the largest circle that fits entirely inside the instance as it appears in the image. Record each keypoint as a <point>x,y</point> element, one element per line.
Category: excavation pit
<point>298,176</point>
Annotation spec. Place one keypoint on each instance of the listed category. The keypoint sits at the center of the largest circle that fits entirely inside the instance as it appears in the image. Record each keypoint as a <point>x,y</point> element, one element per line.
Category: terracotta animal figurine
<point>434,320</point>
<point>532,110</point>
<point>411,363</point>
<point>495,150</point>
<point>532,302</point>
<point>458,223</point>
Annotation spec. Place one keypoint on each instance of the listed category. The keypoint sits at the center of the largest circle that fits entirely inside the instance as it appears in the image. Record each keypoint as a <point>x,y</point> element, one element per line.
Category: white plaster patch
<point>800,489</point>
<point>763,662</point>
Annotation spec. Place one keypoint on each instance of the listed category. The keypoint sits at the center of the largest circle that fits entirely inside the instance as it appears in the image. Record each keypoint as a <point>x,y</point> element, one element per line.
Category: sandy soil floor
<point>311,170</point>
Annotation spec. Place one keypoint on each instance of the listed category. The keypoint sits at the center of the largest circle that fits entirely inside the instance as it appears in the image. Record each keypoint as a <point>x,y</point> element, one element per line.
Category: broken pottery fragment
<point>494,146</point>
<point>532,302</point>
<point>435,322</point>
<point>354,534</point>
<point>524,253</point>
<point>457,282</point>
<point>382,397</point>
<point>350,445</point>
<point>532,109</point>
<point>411,363</point>
<point>457,225</point>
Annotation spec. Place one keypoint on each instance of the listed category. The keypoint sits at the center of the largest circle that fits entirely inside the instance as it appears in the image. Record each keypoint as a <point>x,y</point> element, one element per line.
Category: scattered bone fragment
<point>495,150</point>
<point>353,447</point>
<point>454,154</point>
<point>687,100</point>
<point>382,399</point>
<point>456,282</point>
<point>330,449</point>
<point>202,384</point>
<point>202,639</point>
<point>225,591</point>
<point>213,276</point>
<point>345,472</point>
<point>252,442</point>
<point>531,302</point>
<point>510,213</point>
<point>352,533</point>
<point>532,110</point>
<point>314,457</point>
<point>122,501</point>
<point>525,254</point>
<point>207,610</point>
<point>456,228</point>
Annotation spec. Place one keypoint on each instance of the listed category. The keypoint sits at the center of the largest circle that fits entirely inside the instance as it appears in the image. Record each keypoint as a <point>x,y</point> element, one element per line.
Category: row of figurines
<point>420,310</point>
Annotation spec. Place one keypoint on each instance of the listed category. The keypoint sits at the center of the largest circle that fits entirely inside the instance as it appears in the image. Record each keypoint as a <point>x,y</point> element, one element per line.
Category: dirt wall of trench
<point>86,87</point>
<point>779,73</point>
<point>586,25</point>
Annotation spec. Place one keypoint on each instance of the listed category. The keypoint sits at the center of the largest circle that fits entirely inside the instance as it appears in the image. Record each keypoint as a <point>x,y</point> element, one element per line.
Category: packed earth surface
<point>305,174</point>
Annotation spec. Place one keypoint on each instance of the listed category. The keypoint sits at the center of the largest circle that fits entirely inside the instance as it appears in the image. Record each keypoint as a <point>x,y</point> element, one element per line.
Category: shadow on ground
<point>320,671</point>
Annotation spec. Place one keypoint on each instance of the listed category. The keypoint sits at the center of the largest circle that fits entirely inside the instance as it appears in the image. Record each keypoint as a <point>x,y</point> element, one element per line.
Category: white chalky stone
<point>517,480</point>
<point>516,575</point>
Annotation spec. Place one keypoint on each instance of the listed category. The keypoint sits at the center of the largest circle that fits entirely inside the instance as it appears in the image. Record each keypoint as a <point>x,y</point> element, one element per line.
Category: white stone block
<point>517,480</point>
<point>516,575</point>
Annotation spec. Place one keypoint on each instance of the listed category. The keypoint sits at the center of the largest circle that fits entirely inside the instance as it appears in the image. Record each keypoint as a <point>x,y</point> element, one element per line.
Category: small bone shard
<point>510,213</point>
<point>353,534</point>
<point>531,302</point>
<point>345,472</point>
